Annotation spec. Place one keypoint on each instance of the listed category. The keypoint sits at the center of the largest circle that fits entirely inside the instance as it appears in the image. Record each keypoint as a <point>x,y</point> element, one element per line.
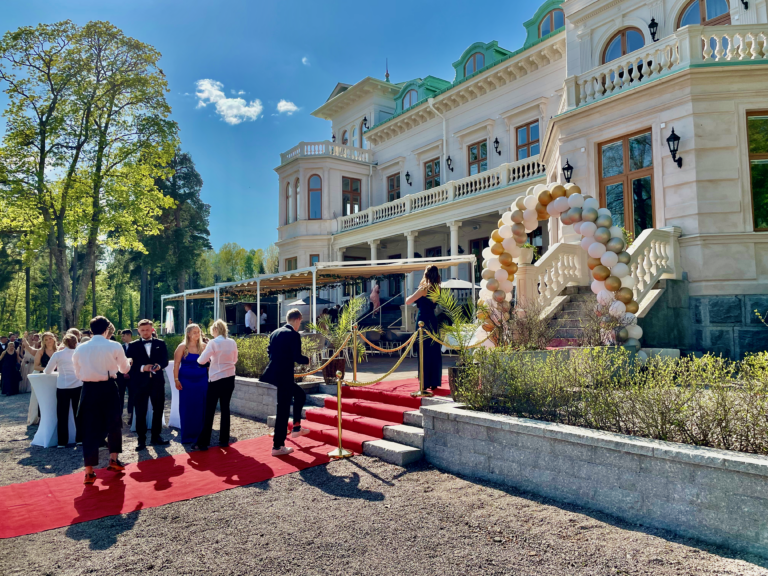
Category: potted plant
<point>527,253</point>
<point>337,332</point>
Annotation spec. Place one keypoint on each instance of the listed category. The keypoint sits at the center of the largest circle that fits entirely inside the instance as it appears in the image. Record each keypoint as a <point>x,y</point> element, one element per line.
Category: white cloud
<point>305,61</point>
<point>237,92</point>
<point>232,110</point>
<point>285,107</point>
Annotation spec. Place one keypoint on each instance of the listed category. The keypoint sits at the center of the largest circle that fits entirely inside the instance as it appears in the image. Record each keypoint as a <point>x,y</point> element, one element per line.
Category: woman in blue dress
<point>433,359</point>
<point>192,383</point>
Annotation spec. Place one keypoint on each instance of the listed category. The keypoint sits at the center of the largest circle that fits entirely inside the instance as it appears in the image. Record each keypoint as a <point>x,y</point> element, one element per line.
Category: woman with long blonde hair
<point>191,380</point>
<point>433,359</point>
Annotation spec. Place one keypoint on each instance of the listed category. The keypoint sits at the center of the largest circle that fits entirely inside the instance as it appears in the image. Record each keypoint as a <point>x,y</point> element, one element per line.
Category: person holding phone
<point>147,383</point>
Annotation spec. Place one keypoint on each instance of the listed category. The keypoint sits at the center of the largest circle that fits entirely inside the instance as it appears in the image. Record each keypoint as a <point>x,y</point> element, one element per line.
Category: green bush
<point>708,401</point>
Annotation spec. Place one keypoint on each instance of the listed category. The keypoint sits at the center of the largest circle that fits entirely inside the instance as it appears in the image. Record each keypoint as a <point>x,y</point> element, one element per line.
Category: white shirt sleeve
<point>207,353</point>
<point>76,364</point>
<point>122,361</point>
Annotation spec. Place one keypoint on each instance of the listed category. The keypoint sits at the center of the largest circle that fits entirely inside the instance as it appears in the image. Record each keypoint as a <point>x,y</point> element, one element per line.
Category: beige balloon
<point>624,295</point>
<point>497,249</point>
<point>571,190</point>
<point>557,191</point>
<point>633,307</point>
<point>612,283</point>
<point>601,273</point>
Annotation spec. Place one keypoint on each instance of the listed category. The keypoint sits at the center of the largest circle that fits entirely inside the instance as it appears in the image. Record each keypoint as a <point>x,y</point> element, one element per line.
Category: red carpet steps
<point>382,420</point>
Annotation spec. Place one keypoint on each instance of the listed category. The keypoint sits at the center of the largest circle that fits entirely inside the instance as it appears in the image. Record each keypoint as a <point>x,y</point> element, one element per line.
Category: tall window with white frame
<point>393,187</point>
<point>297,189</point>
<point>288,204</point>
<point>354,137</point>
<point>350,195</point>
<point>315,197</point>
<point>477,157</point>
<point>626,180</point>
<point>757,134</point>
<point>362,136</point>
<point>527,140</point>
<point>291,264</point>
<point>432,174</point>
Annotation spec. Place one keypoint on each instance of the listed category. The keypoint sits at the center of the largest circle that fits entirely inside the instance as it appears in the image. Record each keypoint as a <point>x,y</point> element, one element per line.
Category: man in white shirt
<point>95,362</point>
<point>250,320</point>
<point>263,321</point>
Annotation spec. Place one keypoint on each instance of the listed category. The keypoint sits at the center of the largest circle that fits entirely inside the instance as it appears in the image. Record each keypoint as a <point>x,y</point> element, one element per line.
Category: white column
<point>411,239</point>
<point>454,226</point>
<point>184,326</point>
<point>374,244</point>
<point>340,258</point>
<point>258,306</point>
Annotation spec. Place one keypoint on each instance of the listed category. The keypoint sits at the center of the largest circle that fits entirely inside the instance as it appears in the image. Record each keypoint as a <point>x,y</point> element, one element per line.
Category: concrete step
<point>569,314</point>
<point>408,435</point>
<point>566,323</point>
<point>317,399</point>
<point>392,452</point>
<point>578,306</point>
<point>413,419</point>
<point>568,333</point>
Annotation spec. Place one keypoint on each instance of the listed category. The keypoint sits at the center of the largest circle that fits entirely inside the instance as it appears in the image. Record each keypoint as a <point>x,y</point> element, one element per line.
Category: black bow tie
<point>145,341</point>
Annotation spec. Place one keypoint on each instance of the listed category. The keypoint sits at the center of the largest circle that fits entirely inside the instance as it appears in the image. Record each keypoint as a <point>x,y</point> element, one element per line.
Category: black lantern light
<point>746,4</point>
<point>449,162</point>
<point>496,146</point>
<point>567,171</point>
<point>408,178</point>
<point>653,27</point>
<point>673,141</point>
<point>333,138</point>
<point>365,122</point>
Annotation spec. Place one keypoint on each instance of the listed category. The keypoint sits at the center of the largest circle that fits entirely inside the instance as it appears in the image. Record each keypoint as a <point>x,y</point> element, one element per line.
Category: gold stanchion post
<point>354,353</point>
<point>421,392</point>
<point>339,452</point>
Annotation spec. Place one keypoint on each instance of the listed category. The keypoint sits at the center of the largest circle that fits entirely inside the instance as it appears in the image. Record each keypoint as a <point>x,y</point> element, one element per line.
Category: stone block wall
<point>253,398</point>
<point>712,495</point>
<point>728,325</point>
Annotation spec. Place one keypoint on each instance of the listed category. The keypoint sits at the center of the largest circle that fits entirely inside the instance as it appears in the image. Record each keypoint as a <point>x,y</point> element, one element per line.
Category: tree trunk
<point>93,292</point>
<point>74,273</point>
<point>182,280</point>
<point>151,296</point>
<point>143,293</point>
<point>131,315</point>
<point>50,289</point>
<point>27,298</point>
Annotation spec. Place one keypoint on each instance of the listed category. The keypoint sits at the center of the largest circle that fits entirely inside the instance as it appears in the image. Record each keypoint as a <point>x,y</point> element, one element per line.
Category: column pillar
<point>454,226</point>
<point>411,239</point>
<point>374,244</point>
<point>339,289</point>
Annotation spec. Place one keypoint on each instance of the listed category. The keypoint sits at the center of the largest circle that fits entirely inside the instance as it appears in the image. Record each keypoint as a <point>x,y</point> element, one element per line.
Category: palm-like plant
<point>337,332</point>
<point>463,319</point>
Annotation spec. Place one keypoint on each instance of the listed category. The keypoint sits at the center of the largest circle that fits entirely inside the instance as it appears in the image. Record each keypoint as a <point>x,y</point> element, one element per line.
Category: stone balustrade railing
<point>655,256</point>
<point>503,175</point>
<point>326,148</point>
<point>687,46</point>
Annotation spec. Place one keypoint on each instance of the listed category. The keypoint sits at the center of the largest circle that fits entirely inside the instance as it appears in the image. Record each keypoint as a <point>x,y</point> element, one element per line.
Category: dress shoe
<point>284,451</point>
<point>297,433</point>
<point>116,466</point>
<point>159,442</point>
<point>90,478</point>
<point>141,447</point>
<point>199,448</point>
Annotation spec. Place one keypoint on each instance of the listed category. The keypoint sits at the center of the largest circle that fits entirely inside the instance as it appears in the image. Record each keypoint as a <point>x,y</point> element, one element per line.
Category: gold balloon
<point>492,285</point>
<point>487,274</point>
<point>482,315</point>
<point>500,223</point>
<point>557,191</point>
<point>612,283</point>
<point>633,307</point>
<point>517,217</point>
<point>519,203</point>
<point>600,273</point>
<point>488,326</point>
<point>505,259</point>
<point>593,262</point>
<point>624,295</point>
<point>571,190</point>
<point>511,269</point>
<point>511,278</point>
<point>496,237</point>
<point>604,221</point>
<point>499,295</point>
<point>497,249</point>
<point>518,229</point>
<point>544,197</point>
<point>624,257</point>
<point>589,214</point>
<point>615,245</point>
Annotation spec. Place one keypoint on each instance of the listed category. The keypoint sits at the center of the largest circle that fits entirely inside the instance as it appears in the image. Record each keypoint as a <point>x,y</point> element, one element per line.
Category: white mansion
<point>426,167</point>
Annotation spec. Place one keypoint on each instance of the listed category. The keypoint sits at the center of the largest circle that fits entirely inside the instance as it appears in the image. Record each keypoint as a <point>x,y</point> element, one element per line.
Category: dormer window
<point>410,98</point>
<point>474,63</point>
<point>551,22</point>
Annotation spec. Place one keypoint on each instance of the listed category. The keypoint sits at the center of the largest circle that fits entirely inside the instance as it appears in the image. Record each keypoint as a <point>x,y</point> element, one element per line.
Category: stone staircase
<point>567,319</point>
<point>375,422</point>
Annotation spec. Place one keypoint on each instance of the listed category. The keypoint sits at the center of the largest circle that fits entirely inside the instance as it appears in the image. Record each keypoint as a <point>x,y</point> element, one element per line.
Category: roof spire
<point>386,75</point>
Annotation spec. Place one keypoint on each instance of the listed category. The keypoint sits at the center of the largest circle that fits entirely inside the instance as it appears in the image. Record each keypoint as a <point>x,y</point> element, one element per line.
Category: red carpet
<point>56,502</point>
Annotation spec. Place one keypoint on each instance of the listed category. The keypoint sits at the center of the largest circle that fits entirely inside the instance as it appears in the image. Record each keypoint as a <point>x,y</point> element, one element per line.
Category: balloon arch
<point>603,241</point>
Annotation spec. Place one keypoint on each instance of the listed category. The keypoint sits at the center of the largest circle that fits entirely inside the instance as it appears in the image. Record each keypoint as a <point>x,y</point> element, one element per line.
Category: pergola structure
<point>317,276</point>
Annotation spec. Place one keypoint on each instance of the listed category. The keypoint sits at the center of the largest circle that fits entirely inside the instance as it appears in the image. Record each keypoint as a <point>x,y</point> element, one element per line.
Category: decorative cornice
<point>354,94</point>
<point>576,20</point>
<point>540,103</point>
<point>477,127</point>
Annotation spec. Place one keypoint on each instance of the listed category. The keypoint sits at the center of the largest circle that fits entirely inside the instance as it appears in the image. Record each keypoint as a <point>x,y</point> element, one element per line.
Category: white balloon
<point>530,226</point>
<point>632,342</point>
<point>506,285</point>
<point>507,218</point>
<point>635,331</point>
<point>505,231</point>
<point>529,214</point>
<point>508,297</point>
<point>552,210</point>
<point>577,227</point>
<point>487,254</point>
<point>511,246</point>
<point>561,204</point>
<point>538,189</point>
<point>598,286</point>
<point>500,274</point>
<point>575,200</point>
<point>603,212</point>
<point>620,270</point>
<point>530,202</point>
<point>596,250</point>
<point>616,232</point>
<point>586,242</point>
<point>617,309</point>
<point>484,294</point>
<point>642,357</point>
<point>605,297</point>
<point>628,319</point>
<point>494,264</point>
<point>627,281</point>
<point>609,259</point>
<point>529,191</point>
<point>591,203</point>
<point>483,285</point>
<point>588,229</point>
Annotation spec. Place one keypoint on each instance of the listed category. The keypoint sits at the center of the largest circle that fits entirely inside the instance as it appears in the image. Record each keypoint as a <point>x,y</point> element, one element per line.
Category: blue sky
<point>271,51</point>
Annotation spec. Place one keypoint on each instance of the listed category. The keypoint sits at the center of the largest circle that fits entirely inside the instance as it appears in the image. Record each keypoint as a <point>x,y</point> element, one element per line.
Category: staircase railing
<point>655,255</point>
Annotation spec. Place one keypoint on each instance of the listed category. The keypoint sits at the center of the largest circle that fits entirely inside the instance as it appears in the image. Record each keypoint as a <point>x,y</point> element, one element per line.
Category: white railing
<point>687,46</point>
<point>326,148</point>
<point>655,256</point>
<point>503,175</point>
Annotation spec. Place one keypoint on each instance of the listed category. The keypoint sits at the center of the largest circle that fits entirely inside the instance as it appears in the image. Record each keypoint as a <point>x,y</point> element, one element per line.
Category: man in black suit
<point>150,357</point>
<point>123,380</point>
<point>284,350</point>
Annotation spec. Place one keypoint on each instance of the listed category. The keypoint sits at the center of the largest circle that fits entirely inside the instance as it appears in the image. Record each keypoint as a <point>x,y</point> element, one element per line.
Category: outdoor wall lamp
<point>746,4</point>
<point>449,162</point>
<point>365,122</point>
<point>333,138</point>
<point>673,141</point>
<point>496,146</point>
<point>408,178</point>
<point>567,171</point>
<point>653,27</point>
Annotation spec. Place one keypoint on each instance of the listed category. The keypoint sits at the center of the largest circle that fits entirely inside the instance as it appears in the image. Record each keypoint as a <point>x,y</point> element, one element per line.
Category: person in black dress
<point>9,368</point>
<point>433,360</point>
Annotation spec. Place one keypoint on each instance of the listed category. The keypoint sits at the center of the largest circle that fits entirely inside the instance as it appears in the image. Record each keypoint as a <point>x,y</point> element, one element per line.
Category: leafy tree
<point>272,260</point>
<point>253,265</point>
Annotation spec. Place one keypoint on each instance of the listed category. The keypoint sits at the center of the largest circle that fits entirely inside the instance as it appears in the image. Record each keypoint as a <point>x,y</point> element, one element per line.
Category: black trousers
<point>219,392</point>
<point>123,385</point>
<point>65,397</point>
<point>144,392</point>
<point>99,417</point>
<point>287,392</point>
<point>249,331</point>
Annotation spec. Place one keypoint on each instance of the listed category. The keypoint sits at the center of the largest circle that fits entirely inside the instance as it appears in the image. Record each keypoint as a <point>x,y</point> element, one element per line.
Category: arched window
<point>410,98</point>
<point>315,197</point>
<point>362,136</point>
<point>623,43</point>
<point>288,204</point>
<point>297,188</point>
<point>354,136</point>
<point>551,22</point>
<point>344,138</point>
<point>707,12</point>
<point>474,63</point>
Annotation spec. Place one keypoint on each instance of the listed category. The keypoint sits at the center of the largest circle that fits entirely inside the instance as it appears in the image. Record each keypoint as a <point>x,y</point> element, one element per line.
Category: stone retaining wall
<point>713,495</point>
<point>253,398</point>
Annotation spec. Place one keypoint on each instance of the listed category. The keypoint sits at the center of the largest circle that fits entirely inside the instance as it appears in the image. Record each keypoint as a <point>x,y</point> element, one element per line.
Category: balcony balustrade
<point>326,148</point>
<point>687,46</point>
<point>452,191</point>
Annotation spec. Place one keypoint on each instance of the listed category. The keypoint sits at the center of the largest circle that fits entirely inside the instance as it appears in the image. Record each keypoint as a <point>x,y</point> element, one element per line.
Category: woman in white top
<point>68,388</point>
<point>221,352</point>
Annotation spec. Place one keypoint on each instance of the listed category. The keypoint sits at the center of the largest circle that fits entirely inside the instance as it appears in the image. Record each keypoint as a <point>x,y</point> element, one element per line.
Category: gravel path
<point>354,517</point>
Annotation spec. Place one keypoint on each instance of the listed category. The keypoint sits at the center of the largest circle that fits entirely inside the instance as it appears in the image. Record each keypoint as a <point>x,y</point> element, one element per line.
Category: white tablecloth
<point>175,419</point>
<point>44,387</point>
